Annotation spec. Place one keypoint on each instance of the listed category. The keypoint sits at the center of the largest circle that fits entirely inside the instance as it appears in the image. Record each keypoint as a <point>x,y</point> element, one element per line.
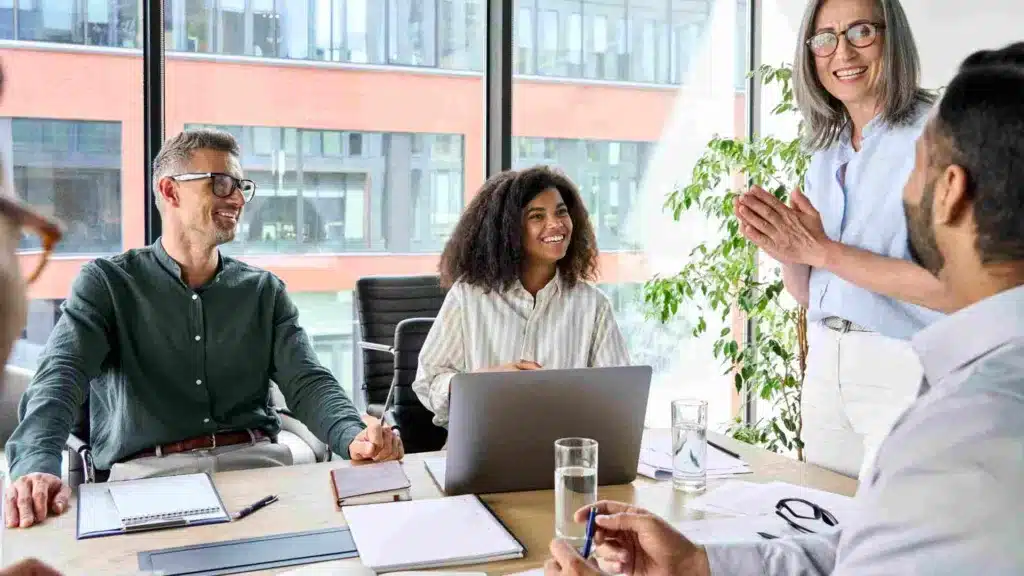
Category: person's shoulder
<point>244,271</point>
<point>977,416</point>
<point>130,263</point>
<point>589,293</point>
<point>914,122</point>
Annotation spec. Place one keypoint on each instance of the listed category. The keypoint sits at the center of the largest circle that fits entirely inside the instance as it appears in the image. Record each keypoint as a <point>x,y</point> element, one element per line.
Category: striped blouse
<point>562,328</point>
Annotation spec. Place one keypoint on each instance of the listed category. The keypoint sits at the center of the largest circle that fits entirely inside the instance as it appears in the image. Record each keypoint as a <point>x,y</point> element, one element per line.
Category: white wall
<point>946,31</point>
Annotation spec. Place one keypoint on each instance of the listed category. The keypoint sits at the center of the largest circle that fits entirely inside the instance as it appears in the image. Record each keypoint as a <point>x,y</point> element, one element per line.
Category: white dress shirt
<point>562,327</point>
<point>946,493</point>
<point>859,194</point>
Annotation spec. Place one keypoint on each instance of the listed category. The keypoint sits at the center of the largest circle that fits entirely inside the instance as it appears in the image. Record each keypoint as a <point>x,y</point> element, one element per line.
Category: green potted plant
<point>725,278</point>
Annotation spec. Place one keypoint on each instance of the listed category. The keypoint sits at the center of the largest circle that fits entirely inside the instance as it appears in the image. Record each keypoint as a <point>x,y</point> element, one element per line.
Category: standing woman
<point>843,241</point>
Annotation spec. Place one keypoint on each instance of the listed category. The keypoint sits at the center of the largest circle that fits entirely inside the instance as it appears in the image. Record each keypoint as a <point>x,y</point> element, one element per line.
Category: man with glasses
<point>944,493</point>
<point>174,346</point>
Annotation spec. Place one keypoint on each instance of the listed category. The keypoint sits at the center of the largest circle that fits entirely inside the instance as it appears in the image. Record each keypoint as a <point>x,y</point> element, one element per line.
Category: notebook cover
<point>350,483</point>
<point>80,536</point>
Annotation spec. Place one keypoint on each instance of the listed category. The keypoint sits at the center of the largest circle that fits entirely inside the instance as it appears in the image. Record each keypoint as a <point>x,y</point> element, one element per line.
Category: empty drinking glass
<point>575,485</point>
<point>689,444</point>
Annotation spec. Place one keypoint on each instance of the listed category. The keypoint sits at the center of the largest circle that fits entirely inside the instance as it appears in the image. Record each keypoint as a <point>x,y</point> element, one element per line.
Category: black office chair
<point>395,315</point>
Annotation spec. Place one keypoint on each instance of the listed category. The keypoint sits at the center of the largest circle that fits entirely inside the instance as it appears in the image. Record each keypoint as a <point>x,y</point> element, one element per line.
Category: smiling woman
<point>843,240</point>
<point>517,268</point>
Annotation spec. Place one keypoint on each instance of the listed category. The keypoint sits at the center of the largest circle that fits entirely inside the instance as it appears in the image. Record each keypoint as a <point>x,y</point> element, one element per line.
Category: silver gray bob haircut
<point>176,153</point>
<point>825,117</point>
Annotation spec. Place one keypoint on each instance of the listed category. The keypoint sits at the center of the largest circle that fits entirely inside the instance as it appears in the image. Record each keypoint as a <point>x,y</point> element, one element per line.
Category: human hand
<point>566,561</point>
<point>29,567</point>
<point>31,498</point>
<point>632,541</point>
<point>513,367</point>
<point>377,442</point>
<point>790,234</point>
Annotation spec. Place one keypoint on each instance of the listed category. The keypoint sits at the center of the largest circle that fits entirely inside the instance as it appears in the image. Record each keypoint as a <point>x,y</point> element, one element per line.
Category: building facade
<point>361,122</point>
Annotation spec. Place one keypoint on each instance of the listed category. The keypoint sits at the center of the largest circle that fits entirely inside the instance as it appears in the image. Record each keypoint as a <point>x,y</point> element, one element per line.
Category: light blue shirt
<point>944,495</point>
<point>865,210</point>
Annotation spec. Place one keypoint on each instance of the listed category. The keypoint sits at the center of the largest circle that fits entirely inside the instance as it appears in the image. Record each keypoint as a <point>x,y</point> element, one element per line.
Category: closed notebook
<point>369,483</point>
<point>422,534</point>
<point>109,508</point>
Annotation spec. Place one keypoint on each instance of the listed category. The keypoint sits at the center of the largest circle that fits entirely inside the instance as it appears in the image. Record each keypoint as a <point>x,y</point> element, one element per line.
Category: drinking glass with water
<point>689,444</point>
<point>575,485</point>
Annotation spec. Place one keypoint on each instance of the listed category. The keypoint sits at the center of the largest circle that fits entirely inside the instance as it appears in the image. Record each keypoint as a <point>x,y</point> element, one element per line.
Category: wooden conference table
<point>306,504</point>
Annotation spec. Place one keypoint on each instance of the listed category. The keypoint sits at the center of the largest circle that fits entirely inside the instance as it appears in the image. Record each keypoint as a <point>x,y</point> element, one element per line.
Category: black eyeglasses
<point>798,512</point>
<point>223,184</point>
<point>859,35</point>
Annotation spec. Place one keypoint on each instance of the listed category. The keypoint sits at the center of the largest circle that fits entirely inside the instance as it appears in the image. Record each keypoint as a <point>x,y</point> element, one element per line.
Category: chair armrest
<point>290,424</point>
<point>377,347</point>
<point>81,448</point>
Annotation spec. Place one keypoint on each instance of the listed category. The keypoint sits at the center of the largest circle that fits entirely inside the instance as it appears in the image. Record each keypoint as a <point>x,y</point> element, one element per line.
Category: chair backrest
<point>419,434</point>
<point>381,303</point>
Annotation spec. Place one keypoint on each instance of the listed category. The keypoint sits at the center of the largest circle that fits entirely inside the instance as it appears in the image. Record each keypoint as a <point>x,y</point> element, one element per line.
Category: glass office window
<point>604,136</point>
<point>70,170</point>
<point>364,192</point>
<point>606,177</point>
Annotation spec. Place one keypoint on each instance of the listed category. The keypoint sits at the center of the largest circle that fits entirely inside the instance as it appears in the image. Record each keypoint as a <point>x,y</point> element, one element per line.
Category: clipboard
<point>110,508</point>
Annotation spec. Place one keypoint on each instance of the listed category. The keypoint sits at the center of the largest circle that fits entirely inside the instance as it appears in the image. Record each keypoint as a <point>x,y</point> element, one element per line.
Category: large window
<point>423,33</point>
<point>71,170</point>
<point>362,123</point>
<point>112,23</point>
<point>626,146</point>
<point>607,173</point>
<point>329,191</point>
<point>650,41</point>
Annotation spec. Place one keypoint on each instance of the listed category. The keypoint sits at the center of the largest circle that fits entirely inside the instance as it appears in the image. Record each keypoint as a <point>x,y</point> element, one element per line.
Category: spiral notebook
<point>109,508</point>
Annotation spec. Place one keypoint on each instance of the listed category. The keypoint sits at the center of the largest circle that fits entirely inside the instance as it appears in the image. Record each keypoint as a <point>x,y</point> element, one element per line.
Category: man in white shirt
<point>944,495</point>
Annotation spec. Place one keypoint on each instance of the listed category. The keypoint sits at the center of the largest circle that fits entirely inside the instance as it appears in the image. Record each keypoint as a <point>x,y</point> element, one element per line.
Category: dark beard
<point>921,234</point>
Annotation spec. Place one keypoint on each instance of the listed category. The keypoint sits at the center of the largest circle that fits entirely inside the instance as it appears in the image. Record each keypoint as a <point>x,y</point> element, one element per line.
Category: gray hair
<point>176,153</point>
<point>824,116</point>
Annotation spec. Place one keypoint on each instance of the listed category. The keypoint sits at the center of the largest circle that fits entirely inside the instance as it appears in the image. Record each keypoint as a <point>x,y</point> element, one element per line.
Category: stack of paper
<point>750,510</point>
<point>656,458</point>
<point>736,529</point>
<point>739,498</point>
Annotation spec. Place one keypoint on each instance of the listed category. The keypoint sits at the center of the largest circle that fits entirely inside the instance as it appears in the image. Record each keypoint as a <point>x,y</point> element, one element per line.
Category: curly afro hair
<point>486,247</point>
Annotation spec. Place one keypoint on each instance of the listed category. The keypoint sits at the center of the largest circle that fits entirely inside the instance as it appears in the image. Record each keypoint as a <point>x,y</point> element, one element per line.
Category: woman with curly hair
<point>516,268</point>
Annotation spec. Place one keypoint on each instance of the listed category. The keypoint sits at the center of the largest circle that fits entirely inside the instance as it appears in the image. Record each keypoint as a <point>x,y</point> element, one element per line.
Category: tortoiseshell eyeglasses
<point>30,223</point>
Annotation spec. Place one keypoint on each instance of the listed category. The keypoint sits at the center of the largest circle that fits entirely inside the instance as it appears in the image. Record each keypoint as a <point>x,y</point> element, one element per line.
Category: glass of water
<point>689,444</point>
<point>575,485</point>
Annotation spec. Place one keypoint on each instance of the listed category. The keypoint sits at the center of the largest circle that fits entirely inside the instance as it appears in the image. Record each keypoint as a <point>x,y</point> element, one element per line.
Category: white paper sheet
<point>96,510</point>
<point>735,529</point>
<point>739,498</point>
<point>191,496</point>
<point>436,466</point>
<point>656,458</point>
<point>449,532</point>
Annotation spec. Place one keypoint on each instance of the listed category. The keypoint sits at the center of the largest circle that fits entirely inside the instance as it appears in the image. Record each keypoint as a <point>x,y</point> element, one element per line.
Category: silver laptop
<point>502,426</point>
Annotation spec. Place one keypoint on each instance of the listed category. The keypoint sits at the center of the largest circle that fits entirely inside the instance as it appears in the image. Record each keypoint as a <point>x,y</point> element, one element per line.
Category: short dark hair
<point>979,125</point>
<point>486,247</point>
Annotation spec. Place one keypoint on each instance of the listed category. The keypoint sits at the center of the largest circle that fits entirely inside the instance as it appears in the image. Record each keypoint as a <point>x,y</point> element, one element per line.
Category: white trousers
<point>857,384</point>
<point>262,454</point>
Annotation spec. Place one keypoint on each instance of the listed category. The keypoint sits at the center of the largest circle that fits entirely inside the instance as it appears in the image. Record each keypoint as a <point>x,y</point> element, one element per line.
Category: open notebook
<point>150,504</point>
<point>454,531</point>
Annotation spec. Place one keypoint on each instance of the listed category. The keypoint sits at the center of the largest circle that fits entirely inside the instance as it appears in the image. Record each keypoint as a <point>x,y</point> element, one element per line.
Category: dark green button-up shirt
<point>162,362</point>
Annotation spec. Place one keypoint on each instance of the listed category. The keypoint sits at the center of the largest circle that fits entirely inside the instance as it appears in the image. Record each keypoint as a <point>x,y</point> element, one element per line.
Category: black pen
<point>729,452</point>
<point>254,507</point>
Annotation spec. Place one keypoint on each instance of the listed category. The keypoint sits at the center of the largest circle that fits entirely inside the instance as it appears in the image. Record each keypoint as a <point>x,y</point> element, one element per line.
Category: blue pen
<point>590,533</point>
